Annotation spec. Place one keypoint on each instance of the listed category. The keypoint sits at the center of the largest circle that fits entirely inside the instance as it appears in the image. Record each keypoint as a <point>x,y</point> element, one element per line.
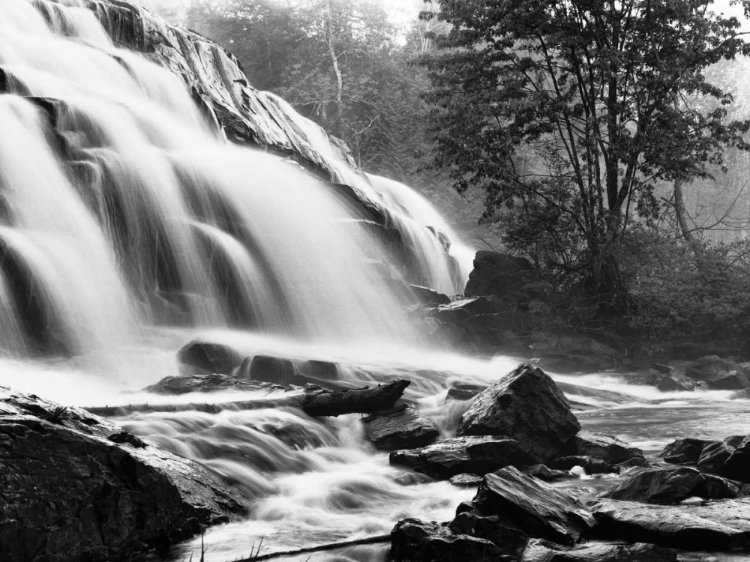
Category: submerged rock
<point>717,526</point>
<point>413,540</point>
<point>476,455</point>
<point>75,487</point>
<point>544,551</point>
<point>673,485</point>
<point>527,406</point>
<point>533,506</point>
<point>399,428</point>
<point>209,357</point>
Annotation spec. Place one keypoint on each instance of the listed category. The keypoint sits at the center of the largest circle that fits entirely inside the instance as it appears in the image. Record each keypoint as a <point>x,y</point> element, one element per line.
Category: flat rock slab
<point>543,551</point>
<point>527,406</point>
<point>675,484</point>
<point>400,428</point>
<point>75,487</point>
<point>215,382</point>
<point>535,507</point>
<point>475,455</point>
<point>721,526</point>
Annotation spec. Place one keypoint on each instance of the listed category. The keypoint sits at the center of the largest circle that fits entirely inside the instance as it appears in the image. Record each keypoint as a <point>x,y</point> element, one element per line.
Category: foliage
<point>568,113</point>
<point>676,292</point>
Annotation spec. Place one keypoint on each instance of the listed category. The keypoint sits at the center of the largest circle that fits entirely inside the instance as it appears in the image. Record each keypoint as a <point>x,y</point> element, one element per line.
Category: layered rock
<point>75,487</point>
<point>400,427</point>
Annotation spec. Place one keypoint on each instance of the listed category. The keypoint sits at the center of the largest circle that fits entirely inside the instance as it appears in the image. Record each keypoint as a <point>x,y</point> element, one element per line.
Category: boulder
<point>544,551</point>
<point>402,427</point>
<point>684,451</point>
<point>600,446</point>
<point>718,373</point>
<point>508,538</point>
<point>476,455</point>
<point>498,274</point>
<point>276,370</point>
<point>209,357</point>
<point>536,508</point>
<point>527,406</point>
<point>673,485</point>
<point>320,370</point>
<point>413,540</point>
<point>737,466</point>
<point>717,526</point>
<point>714,456</point>
<point>74,487</point>
<point>466,480</point>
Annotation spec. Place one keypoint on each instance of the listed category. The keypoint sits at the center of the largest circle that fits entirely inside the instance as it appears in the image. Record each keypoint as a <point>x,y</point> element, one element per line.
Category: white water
<point>139,228</point>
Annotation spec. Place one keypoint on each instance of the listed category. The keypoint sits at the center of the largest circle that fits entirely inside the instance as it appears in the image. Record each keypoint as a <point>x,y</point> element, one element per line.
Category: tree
<point>568,113</point>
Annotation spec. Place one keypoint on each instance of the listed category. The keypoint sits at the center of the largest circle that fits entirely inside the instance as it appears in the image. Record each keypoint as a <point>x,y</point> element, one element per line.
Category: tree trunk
<point>334,59</point>
<point>679,211</point>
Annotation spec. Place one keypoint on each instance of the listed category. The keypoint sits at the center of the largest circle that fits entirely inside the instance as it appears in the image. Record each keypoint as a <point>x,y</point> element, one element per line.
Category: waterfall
<point>123,208</point>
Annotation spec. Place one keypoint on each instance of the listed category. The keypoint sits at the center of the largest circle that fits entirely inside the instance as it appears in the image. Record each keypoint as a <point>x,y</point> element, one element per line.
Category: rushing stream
<point>129,226</point>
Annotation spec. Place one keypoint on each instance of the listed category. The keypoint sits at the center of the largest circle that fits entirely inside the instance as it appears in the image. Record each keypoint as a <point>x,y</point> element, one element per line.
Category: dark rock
<point>673,485</point>
<point>508,538</point>
<point>413,540</point>
<point>321,370</point>
<point>737,465</point>
<point>675,382</point>
<point>544,551</point>
<point>635,462</point>
<point>545,473</point>
<point>457,311</point>
<point>464,391</point>
<point>718,373</point>
<point>499,329</point>
<point>477,455</point>
<point>209,357</point>
<point>684,451</point>
<point>203,383</point>
<point>660,367</point>
<point>124,437</point>
<point>525,405</point>
<point>600,446</point>
<point>276,370</point>
<point>498,274</point>
<point>590,464</point>
<point>533,506</point>
<point>717,526</point>
<point>402,427</point>
<point>714,456</point>
<point>68,492</point>
<point>466,480</point>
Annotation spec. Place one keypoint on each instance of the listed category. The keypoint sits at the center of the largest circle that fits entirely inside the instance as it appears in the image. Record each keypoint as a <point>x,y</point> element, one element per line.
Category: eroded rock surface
<point>399,428</point>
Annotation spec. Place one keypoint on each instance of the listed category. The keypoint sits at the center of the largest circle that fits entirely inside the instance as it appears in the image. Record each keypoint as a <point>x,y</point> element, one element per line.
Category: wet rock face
<point>533,506</point>
<point>729,458</point>
<point>398,428</point>
<point>209,357</point>
<point>475,455</point>
<point>74,488</point>
<point>673,485</point>
<point>498,274</point>
<point>723,526</point>
<point>527,406</point>
<point>413,540</point>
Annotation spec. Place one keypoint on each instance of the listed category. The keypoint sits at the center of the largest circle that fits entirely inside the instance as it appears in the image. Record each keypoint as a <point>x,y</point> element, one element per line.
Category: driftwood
<point>331,546</point>
<point>321,402</point>
<point>313,400</point>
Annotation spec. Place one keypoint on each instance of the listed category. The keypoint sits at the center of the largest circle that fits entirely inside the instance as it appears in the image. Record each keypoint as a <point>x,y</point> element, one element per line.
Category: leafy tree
<point>568,113</point>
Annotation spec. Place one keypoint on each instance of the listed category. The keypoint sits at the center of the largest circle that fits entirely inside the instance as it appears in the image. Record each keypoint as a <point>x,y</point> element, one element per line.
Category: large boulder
<point>718,373</point>
<point>544,551</point>
<point>673,485</point>
<point>533,506</point>
<point>507,537</point>
<point>475,455</point>
<point>497,274</point>
<point>684,451</point>
<point>737,466</point>
<point>400,428</point>
<point>75,487</point>
<point>717,526</point>
<point>209,357</point>
<point>413,540</point>
<point>527,406</point>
